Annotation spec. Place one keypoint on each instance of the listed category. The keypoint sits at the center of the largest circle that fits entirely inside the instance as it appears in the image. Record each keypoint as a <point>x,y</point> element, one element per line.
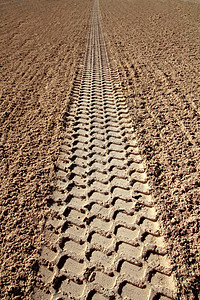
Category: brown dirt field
<point>155,47</point>
<point>42,44</point>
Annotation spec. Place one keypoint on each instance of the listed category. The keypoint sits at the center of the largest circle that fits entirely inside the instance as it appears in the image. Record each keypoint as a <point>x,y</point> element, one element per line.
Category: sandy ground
<point>42,43</point>
<point>155,46</point>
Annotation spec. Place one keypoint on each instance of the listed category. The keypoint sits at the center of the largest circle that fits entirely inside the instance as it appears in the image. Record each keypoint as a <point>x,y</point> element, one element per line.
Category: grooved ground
<point>106,242</point>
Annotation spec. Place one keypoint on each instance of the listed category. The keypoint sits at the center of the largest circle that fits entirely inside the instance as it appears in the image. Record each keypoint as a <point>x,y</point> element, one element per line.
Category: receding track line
<point>105,238</point>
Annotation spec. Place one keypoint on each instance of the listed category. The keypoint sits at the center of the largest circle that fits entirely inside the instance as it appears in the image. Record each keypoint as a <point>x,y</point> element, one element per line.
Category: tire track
<point>105,238</point>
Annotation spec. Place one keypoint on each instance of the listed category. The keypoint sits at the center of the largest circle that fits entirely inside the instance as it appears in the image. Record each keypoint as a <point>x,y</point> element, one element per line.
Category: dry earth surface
<point>41,45</point>
<point>155,47</point>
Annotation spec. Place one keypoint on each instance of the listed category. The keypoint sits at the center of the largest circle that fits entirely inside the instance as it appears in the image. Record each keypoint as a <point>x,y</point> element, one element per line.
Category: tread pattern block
<point>106,242</point>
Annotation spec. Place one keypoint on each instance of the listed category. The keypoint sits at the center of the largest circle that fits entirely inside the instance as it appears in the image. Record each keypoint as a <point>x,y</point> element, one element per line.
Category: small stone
<point>173,221</point>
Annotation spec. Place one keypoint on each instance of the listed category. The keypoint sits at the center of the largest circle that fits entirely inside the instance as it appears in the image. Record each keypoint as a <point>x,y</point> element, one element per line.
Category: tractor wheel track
<point>105,238</point>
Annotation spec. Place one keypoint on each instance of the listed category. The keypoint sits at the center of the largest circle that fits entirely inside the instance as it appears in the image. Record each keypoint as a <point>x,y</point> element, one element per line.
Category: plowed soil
<point>155,47</point>
<point>41,45</point>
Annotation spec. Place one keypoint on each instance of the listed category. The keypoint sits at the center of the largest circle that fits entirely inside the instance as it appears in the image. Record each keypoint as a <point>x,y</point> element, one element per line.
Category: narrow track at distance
<point>105,236</point>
